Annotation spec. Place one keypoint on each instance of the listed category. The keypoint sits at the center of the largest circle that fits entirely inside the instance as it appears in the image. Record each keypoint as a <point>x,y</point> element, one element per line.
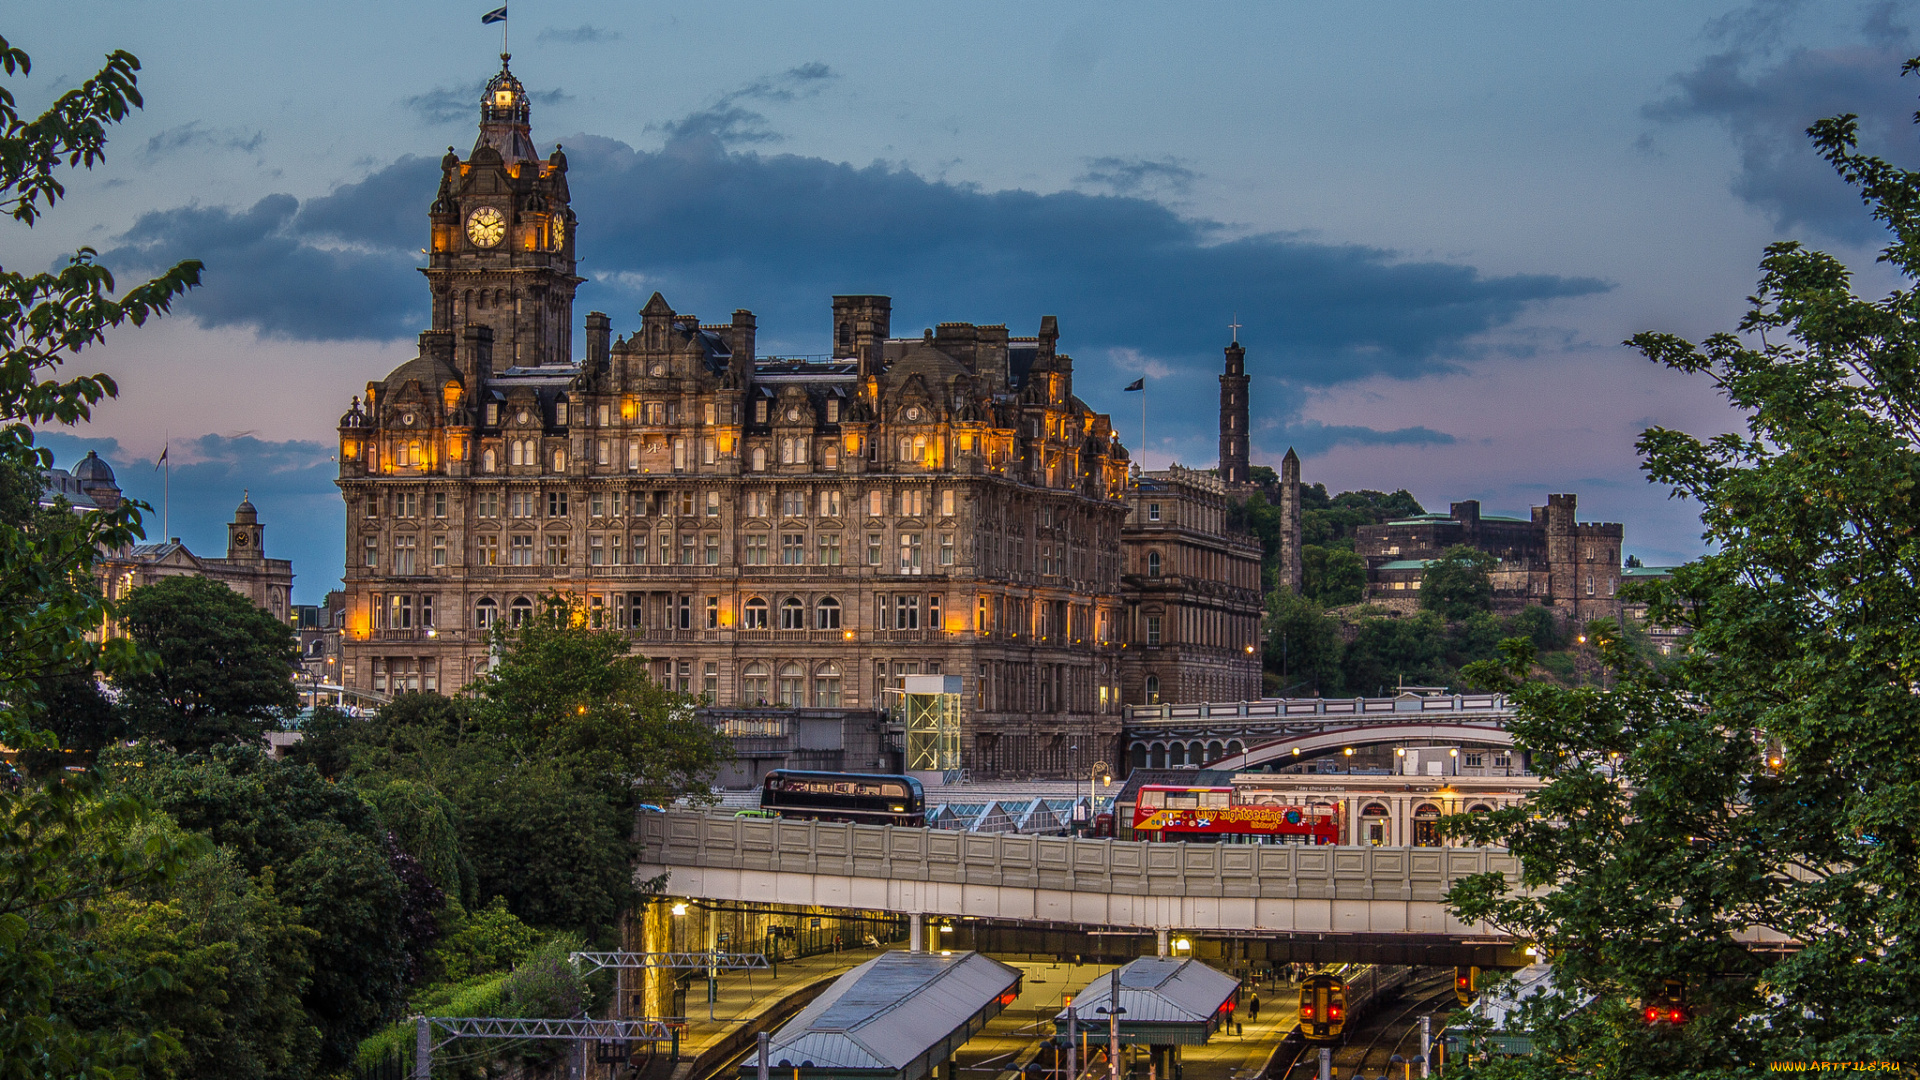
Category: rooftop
<point>1164,1000</point>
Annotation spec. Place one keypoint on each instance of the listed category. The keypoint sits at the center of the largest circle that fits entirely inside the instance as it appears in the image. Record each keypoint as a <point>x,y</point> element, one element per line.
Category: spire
<point>505,117</point>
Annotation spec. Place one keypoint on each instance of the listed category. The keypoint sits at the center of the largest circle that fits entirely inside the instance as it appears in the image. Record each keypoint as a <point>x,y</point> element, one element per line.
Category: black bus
<point>863,798</point>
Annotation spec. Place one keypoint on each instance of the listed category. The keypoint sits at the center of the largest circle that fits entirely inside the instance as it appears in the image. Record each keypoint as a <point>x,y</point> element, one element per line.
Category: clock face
<point>407,419</point>
<point>913,413</point>
<point>792,414</point>
<point>485,227</point>
<point>659,371</point>
<point>240,540</point>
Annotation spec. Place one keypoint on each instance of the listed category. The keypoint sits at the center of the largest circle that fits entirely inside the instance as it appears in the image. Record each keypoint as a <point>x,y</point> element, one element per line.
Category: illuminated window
<point>485,613</point>
<point>759,459</point>
<point>489,551</point>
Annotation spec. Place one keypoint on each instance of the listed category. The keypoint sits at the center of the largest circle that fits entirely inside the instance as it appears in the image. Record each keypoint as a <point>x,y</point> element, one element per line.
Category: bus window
<point>1153,800</point>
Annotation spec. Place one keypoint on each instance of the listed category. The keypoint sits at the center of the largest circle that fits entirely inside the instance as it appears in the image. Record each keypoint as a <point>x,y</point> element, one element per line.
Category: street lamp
<point>1101,775</point>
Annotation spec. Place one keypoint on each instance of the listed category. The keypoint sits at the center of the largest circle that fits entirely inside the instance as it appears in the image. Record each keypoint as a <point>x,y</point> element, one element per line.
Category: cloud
<point>290,482</point>
<point>1139,288</point>
<point>728,123</point>
<point>1138,176</point>
<point>1765,96</point>
<point>266,272</point>
<point>193,137</point>
<point>446,105</point>
<point>579,35</point>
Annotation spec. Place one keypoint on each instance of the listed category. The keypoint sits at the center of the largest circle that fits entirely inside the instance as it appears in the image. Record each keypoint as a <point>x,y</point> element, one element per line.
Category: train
<point>1338,996</point>
<point>1466,983</point>
<point>1209,814</point>
<point>862,798</point>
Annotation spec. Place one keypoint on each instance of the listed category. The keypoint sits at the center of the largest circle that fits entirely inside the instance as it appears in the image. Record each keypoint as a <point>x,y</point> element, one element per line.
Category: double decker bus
<point>1209,814</point>
<point>862,798</point>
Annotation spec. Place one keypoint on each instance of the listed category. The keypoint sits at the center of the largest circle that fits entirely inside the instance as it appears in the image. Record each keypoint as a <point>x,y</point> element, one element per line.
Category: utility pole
<point>1426,1046</point>
<point>1073,1037</point>
<point>765,1042</point>
<point>1113,1025</point>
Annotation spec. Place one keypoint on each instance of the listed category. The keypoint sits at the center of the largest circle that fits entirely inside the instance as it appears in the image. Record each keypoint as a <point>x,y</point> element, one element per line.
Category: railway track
<point>1348,1063</point>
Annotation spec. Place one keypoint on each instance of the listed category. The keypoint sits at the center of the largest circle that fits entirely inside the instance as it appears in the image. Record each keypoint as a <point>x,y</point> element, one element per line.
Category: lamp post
<point>1099,775</point>
<point>1113,1011</point>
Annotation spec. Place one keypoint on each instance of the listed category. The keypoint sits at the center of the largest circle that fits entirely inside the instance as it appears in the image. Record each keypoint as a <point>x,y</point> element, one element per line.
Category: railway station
<point>1162,1004</point>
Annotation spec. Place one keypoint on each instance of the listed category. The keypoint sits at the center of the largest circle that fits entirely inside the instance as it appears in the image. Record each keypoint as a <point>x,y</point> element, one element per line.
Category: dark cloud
<point>263,271</point>
<point>1311,437</point>
<point>1138,287</point>
<point>196,138</point>
<point>1138,176</point>
<point>579,35</point>
<point>290,482</point>
<point>1766,96</point>
<point>728,123</point>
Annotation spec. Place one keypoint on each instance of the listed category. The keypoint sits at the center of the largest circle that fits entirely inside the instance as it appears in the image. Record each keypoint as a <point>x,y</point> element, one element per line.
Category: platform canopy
<point>1168,1002</point>
<point>895,1017</point>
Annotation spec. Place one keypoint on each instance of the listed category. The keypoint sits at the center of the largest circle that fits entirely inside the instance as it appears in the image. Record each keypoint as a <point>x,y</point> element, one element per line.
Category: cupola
<point>505,119</point>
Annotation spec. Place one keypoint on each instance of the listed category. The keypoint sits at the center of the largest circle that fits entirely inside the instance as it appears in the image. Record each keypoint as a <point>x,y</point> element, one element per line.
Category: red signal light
<point>1678,1016</point>
<point>1460,981</point>
<point>1653,1014</point>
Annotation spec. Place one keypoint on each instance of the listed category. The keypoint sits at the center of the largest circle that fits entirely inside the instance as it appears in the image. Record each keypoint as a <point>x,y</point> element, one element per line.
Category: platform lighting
<point>946,928</point>
<point>679,909</point>
<point>1454,752</point>
<point>1182,945</point>
<point>1400,751</point>
<point>1348,751</point>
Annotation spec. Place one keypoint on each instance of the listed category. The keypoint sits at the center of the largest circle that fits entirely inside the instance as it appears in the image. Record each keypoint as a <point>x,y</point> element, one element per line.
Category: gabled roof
<point>1159,991</point>
<point>896,1015</point>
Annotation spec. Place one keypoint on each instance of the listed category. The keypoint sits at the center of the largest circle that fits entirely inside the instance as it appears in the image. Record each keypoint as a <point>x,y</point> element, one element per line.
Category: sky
<point>1433,224</point>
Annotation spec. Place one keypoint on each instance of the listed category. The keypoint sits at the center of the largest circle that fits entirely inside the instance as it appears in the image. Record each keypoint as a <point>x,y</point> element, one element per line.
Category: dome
<point>504,118</point>
<point>93,470</point>
<point>245,511</point>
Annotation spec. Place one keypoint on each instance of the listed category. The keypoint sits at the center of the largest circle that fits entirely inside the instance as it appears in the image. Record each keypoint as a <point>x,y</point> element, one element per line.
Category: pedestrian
<point>1253,1006</point>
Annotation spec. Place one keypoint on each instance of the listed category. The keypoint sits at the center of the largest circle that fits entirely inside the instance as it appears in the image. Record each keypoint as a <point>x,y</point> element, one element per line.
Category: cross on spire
<point>1235,326</point>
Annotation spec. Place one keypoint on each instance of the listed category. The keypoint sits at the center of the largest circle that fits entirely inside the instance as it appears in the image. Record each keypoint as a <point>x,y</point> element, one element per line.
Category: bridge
<point>1160,736</point>
<point>1107,886</point>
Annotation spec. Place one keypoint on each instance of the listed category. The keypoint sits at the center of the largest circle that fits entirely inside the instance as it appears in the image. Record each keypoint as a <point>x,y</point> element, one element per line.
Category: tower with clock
<point>502,243</point>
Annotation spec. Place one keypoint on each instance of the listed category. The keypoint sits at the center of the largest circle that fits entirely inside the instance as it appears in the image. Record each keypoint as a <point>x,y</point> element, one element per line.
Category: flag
<point>1137,384</point>
<point>163,458</point>
<point>498,14</point>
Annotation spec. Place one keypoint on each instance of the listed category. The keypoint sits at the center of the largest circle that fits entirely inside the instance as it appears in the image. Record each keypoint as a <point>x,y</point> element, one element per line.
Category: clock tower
<point>502,246</point>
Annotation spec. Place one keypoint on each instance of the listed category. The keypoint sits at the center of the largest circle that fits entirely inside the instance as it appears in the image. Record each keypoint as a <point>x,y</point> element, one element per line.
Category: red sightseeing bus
<point>1168,812</point>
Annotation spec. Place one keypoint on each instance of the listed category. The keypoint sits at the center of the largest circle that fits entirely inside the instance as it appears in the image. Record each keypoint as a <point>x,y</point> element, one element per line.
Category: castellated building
<point>1550,559</point>
<point>791,531</point>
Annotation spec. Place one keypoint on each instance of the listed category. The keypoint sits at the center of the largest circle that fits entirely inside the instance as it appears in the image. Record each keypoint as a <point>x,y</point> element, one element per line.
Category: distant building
<point>1192,587</point>
<point>1664,638</point>
<point>268,583</point>
<point>1551,559</point>
<point>319,626</point>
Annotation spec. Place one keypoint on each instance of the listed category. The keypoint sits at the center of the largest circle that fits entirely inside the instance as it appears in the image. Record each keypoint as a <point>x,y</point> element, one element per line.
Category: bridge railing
<point>1279,871</point>
<point>1281,708</point>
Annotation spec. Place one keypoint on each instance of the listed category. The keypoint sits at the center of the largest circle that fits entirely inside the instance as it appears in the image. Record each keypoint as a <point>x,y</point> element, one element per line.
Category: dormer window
<point>560,412</point>
<point>760,411</point>
<point>833,410</point>
<point>493,414</point>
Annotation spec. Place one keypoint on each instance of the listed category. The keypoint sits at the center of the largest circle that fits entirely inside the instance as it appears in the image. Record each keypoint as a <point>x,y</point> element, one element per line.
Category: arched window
<point>754,615</point>
<point>1376,825</point>
<point>1196,754</point>
<point>759,459</point>
<point>514,452</point>
<point>1234,747</point>
<point>520,612</point>
<point>1176,755</point>
<point>786,451</point>
<point>792,685</point>
<point>827,614</point>
<point>1153,564</point>
<point>1159,756</point>
<point>1426,825</point>
<point>753,681</point>
<point>559,461</point>
<point>1153,689</point>
<point>793,614</point>
<point>1139,756</point>
<point>826,686</point>
<point>486,460</point>
<point>919,449</point>
<point>1215,751</point>
<point>485,612</point>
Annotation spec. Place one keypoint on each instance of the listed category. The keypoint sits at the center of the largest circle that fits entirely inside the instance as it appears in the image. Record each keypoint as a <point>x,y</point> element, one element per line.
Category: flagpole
<point>166,489</point>
<point>1143,429</point>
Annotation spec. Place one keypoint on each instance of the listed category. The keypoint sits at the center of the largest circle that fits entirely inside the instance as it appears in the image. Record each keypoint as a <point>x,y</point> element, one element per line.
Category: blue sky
<point>1435,223</point>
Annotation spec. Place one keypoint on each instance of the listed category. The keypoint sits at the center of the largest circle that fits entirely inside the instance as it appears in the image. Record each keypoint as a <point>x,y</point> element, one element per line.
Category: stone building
<point>800,532</point>
<point>267,583</point>
<point>1551,559</point>
<point>1192,593</point>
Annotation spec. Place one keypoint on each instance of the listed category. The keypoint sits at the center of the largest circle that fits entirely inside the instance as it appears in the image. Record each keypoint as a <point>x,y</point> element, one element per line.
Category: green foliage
<point>1538,625</point>
<point>1457,584</point>
<point>225,666</point>
<point>328,857</point>
<point>64,848</point>
<point>1302,644</point>
<point>235,960</point>
<point>1331,522</point>
<point>1771,776</point>
<point>48,601</point>
<point>1334,576</point>
<point>477,942</point>
<point>421,821</point>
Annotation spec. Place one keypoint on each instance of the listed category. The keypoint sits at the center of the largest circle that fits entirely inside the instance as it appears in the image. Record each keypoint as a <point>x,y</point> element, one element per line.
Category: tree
<point>226,667</point>
<point>48,602</point>
<point>1766,778</point>
<point>1457,584</point>
<point>1333,576</point>
<point>57,858</point>
<point>1303,645</point>
<point>329,862</point>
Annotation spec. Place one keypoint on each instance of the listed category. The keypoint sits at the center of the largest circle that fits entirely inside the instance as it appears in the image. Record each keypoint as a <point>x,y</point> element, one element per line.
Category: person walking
<point>1253,1007</point>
